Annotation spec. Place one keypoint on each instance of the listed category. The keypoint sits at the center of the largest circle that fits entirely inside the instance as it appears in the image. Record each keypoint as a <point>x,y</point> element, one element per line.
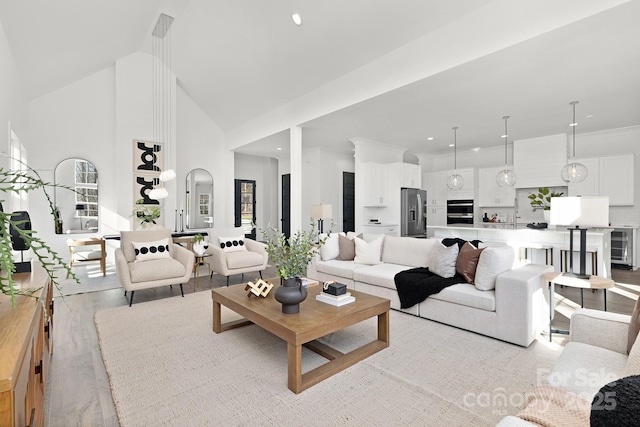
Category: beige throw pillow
<point>634,326</point>
<point>442,260</point>
<point>346,248</point>
<point>368,252</point>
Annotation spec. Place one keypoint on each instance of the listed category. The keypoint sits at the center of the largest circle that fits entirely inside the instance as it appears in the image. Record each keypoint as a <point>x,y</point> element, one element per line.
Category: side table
<point>199,260</point>
<point>593,282</point>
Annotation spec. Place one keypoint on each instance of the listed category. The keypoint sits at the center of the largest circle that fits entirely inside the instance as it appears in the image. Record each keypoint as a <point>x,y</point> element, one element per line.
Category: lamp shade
<point>321,211</point>
<point>167,175</point>
<point>585,211</point>
<point>158,193</point>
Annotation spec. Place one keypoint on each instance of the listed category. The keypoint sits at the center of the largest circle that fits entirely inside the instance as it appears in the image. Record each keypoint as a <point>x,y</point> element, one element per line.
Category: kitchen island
<point>519,236</point>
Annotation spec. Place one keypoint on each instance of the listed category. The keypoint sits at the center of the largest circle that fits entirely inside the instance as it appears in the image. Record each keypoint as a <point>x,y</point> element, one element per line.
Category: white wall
<point>13,106</point>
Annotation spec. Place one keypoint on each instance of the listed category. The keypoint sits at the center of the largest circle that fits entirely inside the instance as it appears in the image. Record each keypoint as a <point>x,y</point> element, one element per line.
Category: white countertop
<point>376,224</point>
<point>508,226</point>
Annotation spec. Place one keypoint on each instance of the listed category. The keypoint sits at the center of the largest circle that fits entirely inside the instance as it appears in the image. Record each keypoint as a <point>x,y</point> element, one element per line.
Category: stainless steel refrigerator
<point>413,213</point>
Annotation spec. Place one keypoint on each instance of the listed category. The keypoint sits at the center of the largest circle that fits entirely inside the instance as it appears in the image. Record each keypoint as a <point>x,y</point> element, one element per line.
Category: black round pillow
<point>617,403</point>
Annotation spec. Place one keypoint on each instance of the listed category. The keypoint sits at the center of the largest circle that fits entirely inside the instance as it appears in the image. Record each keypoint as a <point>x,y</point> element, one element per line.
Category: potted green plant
<point>291,257</point>
<point>542,200</point>
<point>19,182</point>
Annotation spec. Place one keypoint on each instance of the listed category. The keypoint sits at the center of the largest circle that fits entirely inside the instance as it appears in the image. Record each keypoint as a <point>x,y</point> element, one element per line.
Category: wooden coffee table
<point>315,320</point>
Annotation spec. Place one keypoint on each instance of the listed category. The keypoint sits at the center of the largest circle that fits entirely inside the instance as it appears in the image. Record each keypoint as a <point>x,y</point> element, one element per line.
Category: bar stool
<point>548,251</point>
<point>564,252</point>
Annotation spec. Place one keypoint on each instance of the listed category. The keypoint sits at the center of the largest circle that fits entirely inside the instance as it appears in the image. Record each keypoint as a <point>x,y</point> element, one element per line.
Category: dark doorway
<point>286,205</point>
<point>348,201</point>
<point>245,206</point>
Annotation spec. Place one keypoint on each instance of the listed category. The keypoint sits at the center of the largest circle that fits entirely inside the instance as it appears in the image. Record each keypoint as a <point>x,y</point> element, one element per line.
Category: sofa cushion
<point>232,244</point>
<point>330,249</point>
<point>146,251</point>
<point>442,260</point>
<point>379,275</point>
<point>243,259</point>
<point>407,250</point>
<point>583,368</point>
<point>338,268</point>
<point>633,363</point>
<point>468,295</point>
<point>493,261</point>
<point>155,269</point>
<point>346,248</point>
<point>467,262</point>
<point>634,326</point>
<point>369,253</point>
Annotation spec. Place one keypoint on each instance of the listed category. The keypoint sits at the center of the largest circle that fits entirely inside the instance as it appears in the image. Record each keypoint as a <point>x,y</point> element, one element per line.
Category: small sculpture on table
<point>259,288</point>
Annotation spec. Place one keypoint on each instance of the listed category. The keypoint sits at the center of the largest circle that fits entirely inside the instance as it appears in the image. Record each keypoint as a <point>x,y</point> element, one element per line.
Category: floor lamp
<point>320,212</point>
<point>579,213</point>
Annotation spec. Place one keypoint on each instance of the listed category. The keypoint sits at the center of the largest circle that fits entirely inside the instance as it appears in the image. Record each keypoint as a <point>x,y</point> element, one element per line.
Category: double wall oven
<point>460,211</point>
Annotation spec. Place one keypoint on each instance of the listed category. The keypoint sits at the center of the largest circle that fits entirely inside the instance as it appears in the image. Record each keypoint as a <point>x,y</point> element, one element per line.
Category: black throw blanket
<point>415,285</point>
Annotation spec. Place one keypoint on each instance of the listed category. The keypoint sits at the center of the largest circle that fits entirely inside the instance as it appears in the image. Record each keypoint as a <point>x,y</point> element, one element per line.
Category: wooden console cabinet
<point>26,333</point>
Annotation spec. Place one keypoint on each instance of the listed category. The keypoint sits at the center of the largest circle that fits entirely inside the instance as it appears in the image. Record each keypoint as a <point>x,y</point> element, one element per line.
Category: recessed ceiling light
<point>430,138</point>
<point>450,145</point>
<point>279,148</point>
<point>503,136</point>
<point>573,124</point>
<point>296,18</point>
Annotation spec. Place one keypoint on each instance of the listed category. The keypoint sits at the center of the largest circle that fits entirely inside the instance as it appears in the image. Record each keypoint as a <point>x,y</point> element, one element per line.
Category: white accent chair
<point>134,276</point>
<point>255,258</point>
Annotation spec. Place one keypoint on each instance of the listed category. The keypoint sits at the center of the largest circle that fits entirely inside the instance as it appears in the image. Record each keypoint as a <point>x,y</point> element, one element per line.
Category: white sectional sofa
<point>515,311</point>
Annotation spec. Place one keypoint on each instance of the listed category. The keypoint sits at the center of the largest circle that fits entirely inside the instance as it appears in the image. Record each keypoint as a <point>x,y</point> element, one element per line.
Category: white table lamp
<point>320,212</point>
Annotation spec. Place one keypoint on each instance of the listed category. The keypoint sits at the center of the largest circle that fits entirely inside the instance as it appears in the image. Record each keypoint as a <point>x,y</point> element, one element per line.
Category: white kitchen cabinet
<point>617,179</point>
<point>590,186</point>
<point>375,186</point>
<point>409,173</point>
<point>490,194</point>
<point>386,229</point>
<point>611,176</point>
<point>436,215</point>
<point>468,185</point>
<point>436,185</point>
<point>538,161</point>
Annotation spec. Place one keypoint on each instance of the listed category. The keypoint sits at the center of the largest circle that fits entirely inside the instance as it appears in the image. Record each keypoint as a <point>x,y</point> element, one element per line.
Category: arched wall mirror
<point>78,209</point>
<point>199,199</point>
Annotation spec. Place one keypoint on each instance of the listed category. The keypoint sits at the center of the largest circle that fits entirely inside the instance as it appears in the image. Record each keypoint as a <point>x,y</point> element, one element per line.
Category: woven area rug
<point>167,367</point>
<point>91,280</point>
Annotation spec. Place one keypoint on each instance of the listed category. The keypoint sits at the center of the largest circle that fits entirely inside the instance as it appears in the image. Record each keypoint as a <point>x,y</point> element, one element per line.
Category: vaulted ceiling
<point>242,60</point>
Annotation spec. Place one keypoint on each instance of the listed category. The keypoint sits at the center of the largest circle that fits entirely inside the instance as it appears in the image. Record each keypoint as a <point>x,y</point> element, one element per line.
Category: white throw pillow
<point>442,260</point>
<point>146,251</point>
<point>331,248</point>
<point>493,261</point>
<point>232,244</point>
<point>368,253</point>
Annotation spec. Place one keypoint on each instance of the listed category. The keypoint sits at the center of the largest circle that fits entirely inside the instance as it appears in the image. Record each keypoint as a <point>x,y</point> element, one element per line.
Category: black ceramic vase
<point>290,294</point>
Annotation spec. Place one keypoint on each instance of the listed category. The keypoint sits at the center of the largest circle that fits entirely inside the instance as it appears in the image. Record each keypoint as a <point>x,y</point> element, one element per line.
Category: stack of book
<point>337,300</point>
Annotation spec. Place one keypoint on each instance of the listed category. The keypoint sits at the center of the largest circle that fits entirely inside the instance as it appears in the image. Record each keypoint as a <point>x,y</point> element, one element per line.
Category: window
<point>86,180</point>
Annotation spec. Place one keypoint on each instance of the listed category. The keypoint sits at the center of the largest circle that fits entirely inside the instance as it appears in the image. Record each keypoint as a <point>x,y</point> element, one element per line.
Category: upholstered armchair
<point>149,258</point>
<point>233,253</point>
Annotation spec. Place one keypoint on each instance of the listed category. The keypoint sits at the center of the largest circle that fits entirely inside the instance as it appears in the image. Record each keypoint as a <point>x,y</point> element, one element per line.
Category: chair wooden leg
<point>181,291</point>
<point>260,272</point>
<point>131,298</point>
<point>125,293</point>
<point>227,281</point>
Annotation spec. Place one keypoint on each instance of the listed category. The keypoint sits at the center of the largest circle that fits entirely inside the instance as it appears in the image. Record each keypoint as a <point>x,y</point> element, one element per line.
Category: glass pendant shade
<point>455,182</point>
<point>506,178</point>
<point>167,175</point>
<point>574,172</point>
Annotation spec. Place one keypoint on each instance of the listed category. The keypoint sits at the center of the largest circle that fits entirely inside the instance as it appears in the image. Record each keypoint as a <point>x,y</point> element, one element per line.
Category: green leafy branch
<point>17,182</point>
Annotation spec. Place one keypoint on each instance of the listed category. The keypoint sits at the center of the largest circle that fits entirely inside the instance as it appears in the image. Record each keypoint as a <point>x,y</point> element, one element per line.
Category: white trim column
<point>295,147</point>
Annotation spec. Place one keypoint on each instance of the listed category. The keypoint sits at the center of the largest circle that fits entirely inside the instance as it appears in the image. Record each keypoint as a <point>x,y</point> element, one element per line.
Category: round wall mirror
<point>199,199</point>
<point>77,205</point>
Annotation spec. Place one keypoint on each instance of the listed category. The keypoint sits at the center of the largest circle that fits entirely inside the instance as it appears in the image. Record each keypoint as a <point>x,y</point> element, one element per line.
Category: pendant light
<point>455,181</point>
<point>162,100</point>
<point>574,172</point>
<point>506,177</point>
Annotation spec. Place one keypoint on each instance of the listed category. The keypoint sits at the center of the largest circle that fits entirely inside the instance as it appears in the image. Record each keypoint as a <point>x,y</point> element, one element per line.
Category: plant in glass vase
<point>146,214</point>
<point>291,257</point>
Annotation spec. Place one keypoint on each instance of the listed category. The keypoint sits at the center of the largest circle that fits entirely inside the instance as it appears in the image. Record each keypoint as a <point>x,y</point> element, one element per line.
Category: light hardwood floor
<point>78,392</point>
